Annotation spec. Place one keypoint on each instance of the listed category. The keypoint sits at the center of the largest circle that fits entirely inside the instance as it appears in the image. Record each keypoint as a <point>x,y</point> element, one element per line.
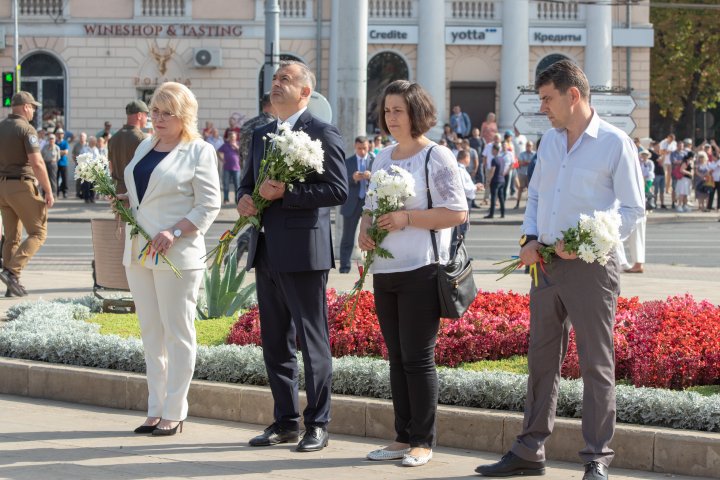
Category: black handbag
<point>456,285</point>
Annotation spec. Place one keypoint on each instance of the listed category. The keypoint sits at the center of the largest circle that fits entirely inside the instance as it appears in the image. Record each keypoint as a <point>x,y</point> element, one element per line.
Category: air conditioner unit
<point>207,57</point>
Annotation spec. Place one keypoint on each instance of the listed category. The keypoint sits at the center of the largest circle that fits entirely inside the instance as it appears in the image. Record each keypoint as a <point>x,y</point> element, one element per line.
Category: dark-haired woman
<point>406,298</point>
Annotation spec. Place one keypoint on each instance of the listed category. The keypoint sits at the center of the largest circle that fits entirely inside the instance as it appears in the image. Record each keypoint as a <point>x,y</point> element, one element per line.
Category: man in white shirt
<point>584,164</point>
<point>667,146</point>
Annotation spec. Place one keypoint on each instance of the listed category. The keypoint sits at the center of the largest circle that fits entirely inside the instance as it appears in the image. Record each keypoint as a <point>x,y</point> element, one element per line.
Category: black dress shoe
<point>315,439</point>
<point>488,216</point>
<point>273,435</point>
<point>146,428</point>
<point>595,471</point>
<point>511,465</point>
<point>166,432</point>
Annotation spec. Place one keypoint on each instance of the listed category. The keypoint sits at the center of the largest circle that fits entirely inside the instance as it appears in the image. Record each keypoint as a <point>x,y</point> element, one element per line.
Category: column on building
<point>431,58</point>
<point>514,59</point>
<point>335,41</point>
<point>351,94</point>
<point>348,77</point>
<point>598,52</point>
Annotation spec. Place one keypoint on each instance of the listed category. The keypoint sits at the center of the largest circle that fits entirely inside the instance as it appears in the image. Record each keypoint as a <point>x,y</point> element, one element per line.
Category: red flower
<point>673,343</point>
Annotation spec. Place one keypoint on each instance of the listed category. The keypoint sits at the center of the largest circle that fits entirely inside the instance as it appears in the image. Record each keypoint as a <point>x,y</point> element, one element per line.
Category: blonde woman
<point>174,192</point>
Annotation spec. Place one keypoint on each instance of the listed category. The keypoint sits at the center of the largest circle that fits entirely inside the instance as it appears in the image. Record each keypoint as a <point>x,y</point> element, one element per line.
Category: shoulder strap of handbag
<point>430,205</point>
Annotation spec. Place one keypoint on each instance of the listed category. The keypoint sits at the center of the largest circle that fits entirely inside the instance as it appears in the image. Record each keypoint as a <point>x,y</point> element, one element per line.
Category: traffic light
<point>8,81</point>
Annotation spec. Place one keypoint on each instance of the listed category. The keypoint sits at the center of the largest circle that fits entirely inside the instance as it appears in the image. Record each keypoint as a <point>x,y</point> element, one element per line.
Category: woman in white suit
<point>174,192</point>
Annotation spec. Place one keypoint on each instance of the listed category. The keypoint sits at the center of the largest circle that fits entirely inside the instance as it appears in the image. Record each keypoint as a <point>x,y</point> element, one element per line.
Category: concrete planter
<point>640,448</point>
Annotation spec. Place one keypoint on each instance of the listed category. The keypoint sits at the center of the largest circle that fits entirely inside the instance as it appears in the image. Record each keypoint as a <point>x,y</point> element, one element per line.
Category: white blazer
<point>185,184</point>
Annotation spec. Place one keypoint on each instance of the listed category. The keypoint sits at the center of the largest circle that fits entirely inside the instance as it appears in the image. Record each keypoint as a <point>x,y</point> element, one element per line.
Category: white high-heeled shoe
<point>413,461</point>
<point>383,454</point>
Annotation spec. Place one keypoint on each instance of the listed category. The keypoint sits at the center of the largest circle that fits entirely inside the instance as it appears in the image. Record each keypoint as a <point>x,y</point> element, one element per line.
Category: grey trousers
<point>583,295</point>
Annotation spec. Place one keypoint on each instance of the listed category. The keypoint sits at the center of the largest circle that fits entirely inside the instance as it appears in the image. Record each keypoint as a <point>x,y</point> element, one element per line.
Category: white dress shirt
<point>292,119</point>
<point>600,172</point>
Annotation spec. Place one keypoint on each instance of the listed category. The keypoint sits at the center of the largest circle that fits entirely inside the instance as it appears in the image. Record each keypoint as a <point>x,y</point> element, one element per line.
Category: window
<point>42,75</point>
<point>547,61</point>
<point>383,69</point>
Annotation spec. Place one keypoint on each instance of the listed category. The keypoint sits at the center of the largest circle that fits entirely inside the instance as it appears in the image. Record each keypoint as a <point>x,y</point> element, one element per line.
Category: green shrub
<point>224,293</point>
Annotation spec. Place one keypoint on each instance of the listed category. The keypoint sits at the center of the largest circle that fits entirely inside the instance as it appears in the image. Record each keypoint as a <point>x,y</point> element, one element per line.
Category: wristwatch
<point>527,238</point>
<point>177,233</point>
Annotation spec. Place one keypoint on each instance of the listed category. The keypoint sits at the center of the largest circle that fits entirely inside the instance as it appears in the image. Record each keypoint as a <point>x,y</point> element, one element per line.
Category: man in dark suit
<point>292,254</point>
<point>358,170</point>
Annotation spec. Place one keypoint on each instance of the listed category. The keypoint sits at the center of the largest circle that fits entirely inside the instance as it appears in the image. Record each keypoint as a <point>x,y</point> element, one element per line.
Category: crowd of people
<point>681,172</point>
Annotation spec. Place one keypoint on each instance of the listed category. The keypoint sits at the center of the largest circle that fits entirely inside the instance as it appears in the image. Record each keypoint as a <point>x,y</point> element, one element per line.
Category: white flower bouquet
<point>387,192</point>
<point>593,240</point>
<point>94,169</point>
<point>290,156</point>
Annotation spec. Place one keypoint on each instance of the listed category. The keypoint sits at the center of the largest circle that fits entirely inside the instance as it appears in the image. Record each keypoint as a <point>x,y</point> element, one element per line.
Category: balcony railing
<point>296,9</point>
<point>37,8</point>
<point>473,10</point>
<point>557,11</point>
<point>163,8</point>
<point>392,9</point>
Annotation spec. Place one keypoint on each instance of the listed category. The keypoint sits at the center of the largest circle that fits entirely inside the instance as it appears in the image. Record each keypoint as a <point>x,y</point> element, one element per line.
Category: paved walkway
<point>44,439</point>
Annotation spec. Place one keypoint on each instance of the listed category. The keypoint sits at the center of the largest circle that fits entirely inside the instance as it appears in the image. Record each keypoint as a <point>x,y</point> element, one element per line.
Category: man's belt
<point>16,177</point>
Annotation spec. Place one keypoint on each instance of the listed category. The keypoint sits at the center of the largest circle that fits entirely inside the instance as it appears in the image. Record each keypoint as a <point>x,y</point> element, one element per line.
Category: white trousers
<point>636,244</point>
<point>165,306</point>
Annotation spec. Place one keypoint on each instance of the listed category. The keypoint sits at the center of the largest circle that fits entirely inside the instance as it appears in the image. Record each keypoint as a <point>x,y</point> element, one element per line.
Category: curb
<point>660,450</point>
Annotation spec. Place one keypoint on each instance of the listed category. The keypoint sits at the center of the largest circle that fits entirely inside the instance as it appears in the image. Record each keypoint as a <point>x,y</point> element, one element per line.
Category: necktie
<point>361,168</point>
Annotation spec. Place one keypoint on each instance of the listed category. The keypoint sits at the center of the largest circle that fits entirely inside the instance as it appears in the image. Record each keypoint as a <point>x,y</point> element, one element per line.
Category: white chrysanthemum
<point>586,253</point>
<point>90,167</point>
<point>604,231</point>
<point>391,188</point>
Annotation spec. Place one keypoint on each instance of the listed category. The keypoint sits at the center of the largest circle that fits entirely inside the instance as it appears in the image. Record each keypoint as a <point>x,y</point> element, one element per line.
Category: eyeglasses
<point>156,114</point>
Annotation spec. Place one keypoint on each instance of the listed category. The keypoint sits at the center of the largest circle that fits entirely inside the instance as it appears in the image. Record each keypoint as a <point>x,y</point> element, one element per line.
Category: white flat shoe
<point>413,461</point>
<point>382,454</point>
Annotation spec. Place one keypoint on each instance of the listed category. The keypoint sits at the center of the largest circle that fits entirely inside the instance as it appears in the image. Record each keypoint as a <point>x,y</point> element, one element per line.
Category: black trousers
<point>350,224</point>
<point>61,183</point>
<point>497,191</point>
<point>713,192</point>
<point>408,308</point>
<point>293,306</point>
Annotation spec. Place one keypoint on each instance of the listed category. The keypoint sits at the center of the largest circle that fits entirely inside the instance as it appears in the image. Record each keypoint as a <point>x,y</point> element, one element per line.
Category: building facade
<point>85,59</point>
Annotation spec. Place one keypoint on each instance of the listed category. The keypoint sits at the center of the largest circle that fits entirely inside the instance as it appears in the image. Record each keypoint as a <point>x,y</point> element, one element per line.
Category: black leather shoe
<point>146,428</point>
<point>595,471</point>
<point>315,439</point>
<point>511,465</point>
<point>273,435</point>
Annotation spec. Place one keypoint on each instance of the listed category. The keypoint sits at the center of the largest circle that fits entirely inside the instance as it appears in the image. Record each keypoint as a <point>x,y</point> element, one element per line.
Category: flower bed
<point>57,332</point>
<point>671,344</point>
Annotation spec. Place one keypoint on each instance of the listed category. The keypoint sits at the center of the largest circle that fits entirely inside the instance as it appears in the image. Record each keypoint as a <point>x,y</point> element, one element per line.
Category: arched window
<point>44,76</point>
<point>549,60</point>
<point>383,69</point>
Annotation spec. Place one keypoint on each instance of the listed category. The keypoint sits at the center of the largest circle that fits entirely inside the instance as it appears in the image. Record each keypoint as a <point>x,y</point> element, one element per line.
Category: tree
<point>685,67</point>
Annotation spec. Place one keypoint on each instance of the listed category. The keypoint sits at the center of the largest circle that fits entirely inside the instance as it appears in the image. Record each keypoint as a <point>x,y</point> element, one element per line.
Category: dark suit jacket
<point>297,227</point>
<point>354,187</point>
